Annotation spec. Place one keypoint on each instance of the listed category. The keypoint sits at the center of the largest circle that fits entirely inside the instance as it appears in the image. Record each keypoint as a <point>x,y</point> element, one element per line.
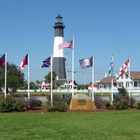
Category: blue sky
<point>100,28</point>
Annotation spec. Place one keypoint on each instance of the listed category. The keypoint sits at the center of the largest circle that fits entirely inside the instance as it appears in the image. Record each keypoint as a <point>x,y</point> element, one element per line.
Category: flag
<point>46,62</point>
<point>23,63</point>
<point>124,67</point>
<point>67,44</point>
<point>111,66</point>
<point>2,60</point>
<point>87,62</point>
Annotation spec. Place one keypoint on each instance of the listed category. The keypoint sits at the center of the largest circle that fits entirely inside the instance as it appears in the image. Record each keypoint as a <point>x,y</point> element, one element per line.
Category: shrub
<point>61,107</point>
<point>34,102</point>
<point>67,98</point>
<point>108,105</point>
<point>58,104</point>
<point>98,101</point>
<point>120,104</point>
<point>138,105</point>
<point>6,105</point>
<point>18,94</point>
<point>20,104</point>
<point>122,100</point>
<point>12,104</point>
<point>132,102</point>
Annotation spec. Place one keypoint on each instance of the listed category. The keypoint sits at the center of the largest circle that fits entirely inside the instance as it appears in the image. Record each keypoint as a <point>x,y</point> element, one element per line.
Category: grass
<point>121,125</point>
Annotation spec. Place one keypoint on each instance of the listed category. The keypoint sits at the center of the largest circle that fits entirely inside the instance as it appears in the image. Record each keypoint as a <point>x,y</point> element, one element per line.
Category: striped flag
<point>111,66</point>
<point>67,44</point>
<point>124,67</point>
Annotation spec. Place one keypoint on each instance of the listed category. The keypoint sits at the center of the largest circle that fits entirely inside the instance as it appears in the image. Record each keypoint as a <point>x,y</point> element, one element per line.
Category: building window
<point>105,86</point>
<point>126,76</point>
<point>139,84</point>
<point>120,84</point>
<point>122,76</point>
<point>127,84</point>
<point>135,84</point>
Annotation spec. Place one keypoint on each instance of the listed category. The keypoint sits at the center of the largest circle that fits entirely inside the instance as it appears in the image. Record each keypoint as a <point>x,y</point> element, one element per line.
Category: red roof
<point>94,85</point>
<point>107,80</point>
<point>133,74</point>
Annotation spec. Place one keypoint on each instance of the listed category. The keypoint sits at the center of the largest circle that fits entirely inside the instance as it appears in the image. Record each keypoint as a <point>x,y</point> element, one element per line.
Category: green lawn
<point>121,125</point>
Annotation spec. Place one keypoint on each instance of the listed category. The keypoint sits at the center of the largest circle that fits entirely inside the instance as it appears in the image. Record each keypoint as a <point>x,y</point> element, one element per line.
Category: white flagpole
<point>28,77</point>
<point>112,81</point>
<point>73,68</point>
<point>129,81</point>
<point>112,90</point>
<point>51,80</point>
<point>92,92</point>
<point>5,92</point>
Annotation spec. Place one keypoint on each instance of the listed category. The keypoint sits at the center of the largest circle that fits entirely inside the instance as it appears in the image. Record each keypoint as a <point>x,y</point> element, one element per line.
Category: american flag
<point>68,44</point>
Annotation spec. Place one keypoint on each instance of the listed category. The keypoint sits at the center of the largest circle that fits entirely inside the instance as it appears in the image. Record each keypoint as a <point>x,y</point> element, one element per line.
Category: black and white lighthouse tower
<point>58,54</point>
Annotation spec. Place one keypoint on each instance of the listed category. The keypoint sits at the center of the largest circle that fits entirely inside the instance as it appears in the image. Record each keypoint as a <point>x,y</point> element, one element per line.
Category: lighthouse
<point>58,54</point>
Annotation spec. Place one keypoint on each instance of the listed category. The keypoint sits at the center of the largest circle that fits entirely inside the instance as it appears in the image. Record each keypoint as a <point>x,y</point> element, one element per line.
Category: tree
<point>122,100</point>
<point>32,85</point>
<point>48,77</point>
<point>82,86</point>
<point>15,78</point>
<point>38,84</point>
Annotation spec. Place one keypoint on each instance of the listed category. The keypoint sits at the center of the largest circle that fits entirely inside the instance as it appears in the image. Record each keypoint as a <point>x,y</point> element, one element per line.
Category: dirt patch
<point>44,110</point>
<point>37,110</point>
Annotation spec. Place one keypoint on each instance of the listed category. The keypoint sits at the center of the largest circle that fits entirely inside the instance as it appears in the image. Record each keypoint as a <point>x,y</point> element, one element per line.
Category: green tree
<point>122,100</point>
<point>15,78</point>
<point>38,84</point>
<point>48,78</point>
<point>82,86</point>
<point>32,85</point>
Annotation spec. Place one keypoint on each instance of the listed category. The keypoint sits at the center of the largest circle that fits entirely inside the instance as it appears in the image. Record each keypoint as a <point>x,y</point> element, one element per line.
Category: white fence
<point>134,91</point>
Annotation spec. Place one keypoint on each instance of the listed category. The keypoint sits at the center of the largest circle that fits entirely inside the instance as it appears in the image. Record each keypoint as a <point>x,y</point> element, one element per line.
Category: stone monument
<point>82,102</point>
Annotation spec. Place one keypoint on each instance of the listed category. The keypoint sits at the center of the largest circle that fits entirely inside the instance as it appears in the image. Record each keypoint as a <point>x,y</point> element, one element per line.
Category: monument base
<point>82,102</point>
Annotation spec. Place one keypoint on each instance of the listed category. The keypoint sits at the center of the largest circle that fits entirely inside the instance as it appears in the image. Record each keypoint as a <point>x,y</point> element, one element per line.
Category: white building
<point>69,85</point>
<point>131,83</point>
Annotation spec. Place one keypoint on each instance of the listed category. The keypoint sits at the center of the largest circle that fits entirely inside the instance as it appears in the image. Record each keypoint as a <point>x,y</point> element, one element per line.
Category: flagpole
<point>51,80</point>
<point>112,88</point>
<point>112,81</point>
<point>28,77</point>
<point>5,92</point>
<point>92,92</point>
<point>129,81</point>
<point>73,69</point>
